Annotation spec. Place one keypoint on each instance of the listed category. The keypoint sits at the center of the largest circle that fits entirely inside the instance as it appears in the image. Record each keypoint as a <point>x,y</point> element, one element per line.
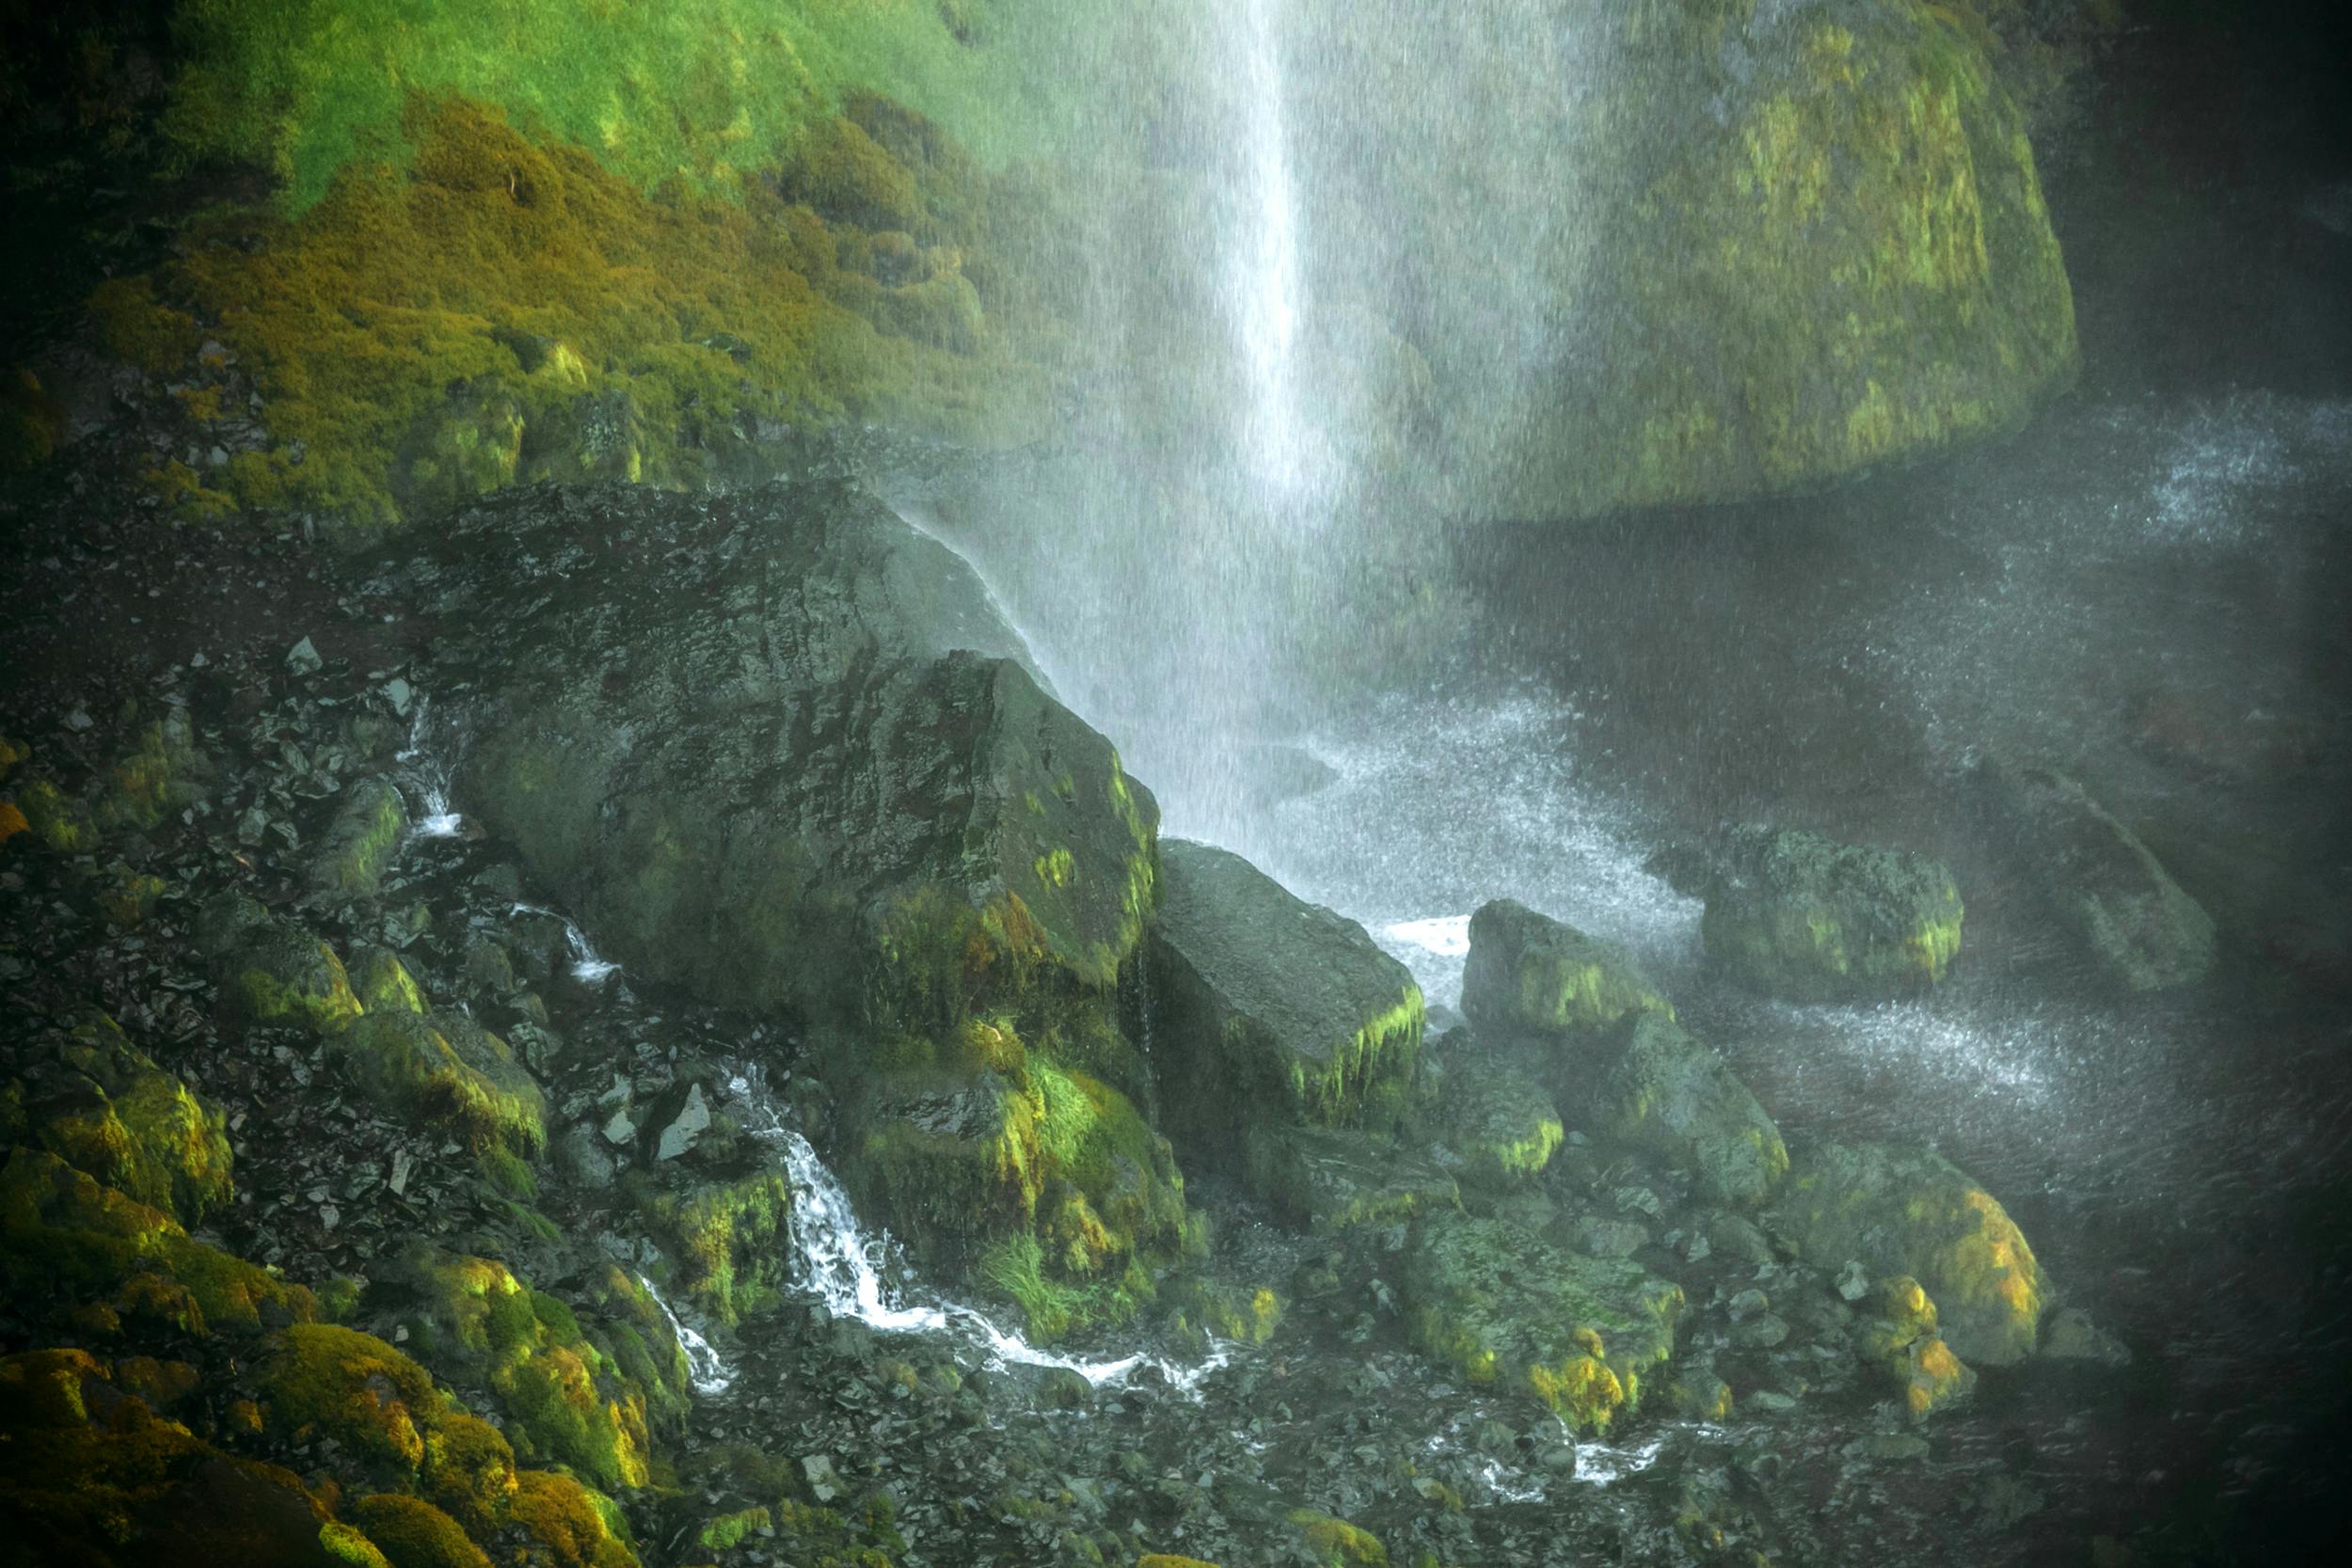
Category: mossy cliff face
<point>499,307</point>
<point>1722,248</point>
<point>1856,265</point>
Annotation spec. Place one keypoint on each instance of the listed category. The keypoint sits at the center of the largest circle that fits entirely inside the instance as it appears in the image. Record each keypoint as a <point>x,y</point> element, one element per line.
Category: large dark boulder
<point>1266,1008</point>
<point>2098,883</point>
<point>782,748</point>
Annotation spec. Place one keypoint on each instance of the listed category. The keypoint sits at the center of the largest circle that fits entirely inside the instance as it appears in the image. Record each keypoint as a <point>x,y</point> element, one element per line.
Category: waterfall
<point>706,1369</point>
<point>587,965</point>
<point>1285,455</point>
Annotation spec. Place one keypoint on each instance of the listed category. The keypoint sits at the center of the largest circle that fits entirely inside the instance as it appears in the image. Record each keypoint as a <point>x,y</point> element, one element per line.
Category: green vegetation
<point>504,308</point>
<point>706,94</point>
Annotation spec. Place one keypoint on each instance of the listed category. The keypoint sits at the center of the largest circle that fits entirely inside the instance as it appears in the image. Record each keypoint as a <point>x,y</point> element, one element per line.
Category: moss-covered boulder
<point>1266,1008</point>
<point>1909,1212</point>
<point>92,1474</point>
<point>1671,1095</point>
<point>566,1399</point>
<point>1047,1179</point>
<point>2099,885</point>
<point>73,1245</point>
<point>1806,919</point>
<point>808,767</point>
<point>445,1070</point>
<point>1327,1179</point>
<point>1530,976</point>
<point>272,970</point>
<point>1580,1334</point>
<point>101,1105</point>
<point>1497,1123</point>
<point>360,841</point>
<point>728,1236</point>
<point>402,1435</point>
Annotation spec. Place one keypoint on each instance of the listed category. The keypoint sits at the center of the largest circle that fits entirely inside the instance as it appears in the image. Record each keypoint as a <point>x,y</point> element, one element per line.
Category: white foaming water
<point>428,777</point>
<point>1442,803</point>
<point>839,1264</point>
<point>587,965</point>
<point>706,1369</point>
<point>1605,1465</point>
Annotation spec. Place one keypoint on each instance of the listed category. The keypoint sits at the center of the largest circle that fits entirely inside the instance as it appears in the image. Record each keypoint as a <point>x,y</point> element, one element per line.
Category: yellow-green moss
<point>383,983</point>
<point>111,1111</point>
<point>505,308</point>
<point>1338,1544</point>
<point>564,1398</point>
<point>412,1533</point>
<point>95,1245</point>
<point>726,1240</point>
<point>447,1071</point>
<point>574,1525</point>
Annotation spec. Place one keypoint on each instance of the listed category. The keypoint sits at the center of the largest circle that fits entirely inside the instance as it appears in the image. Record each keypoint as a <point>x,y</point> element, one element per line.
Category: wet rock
<point>1491,1115</point>
<point>1902,1210</point>
<point>1668,1095</point>
<point>1530,975</point>
<point>684,1128</point>
<point>1580,1334</point>
<point>444,1069</point>
<point>272,969</point>
<point>2069,1334</point>
<point>1268,1009</point>
<point>360,842</point>
<point>2098,883</point>
<point>1805,919</point>
<point>91,1098</point>
<point>1329,1179</point>
<point>1898,1335</point>
<point>810,768</point>
<point>303,658</point>
<point>1602,1236</point>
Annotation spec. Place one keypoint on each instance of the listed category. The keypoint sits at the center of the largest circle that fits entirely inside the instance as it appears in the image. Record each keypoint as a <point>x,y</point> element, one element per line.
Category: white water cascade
<point>428,777</point>
<point>706,1369</point>
<point>1287,454</point>
<point>843,1266</point>
<point>588,966</point>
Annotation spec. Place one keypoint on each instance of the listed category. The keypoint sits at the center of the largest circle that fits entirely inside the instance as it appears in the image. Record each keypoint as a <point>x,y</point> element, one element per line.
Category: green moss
<point>412,1533</point>
<point>277,973</point>
<point>96,1482</point>
<point>574,1524</point>
<point>59,822</point>
<point>366,831</point>
<point>90,1242</point>
<point>1337,1543</point>
<point>383,984</point>
<point>110,1111</point>
<point>1503,1307</point>
<point>447,1071</point>
<point>708,92</point>
<point>727,1241</point>
<point>377,1403</point>
<point>506,307</point>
